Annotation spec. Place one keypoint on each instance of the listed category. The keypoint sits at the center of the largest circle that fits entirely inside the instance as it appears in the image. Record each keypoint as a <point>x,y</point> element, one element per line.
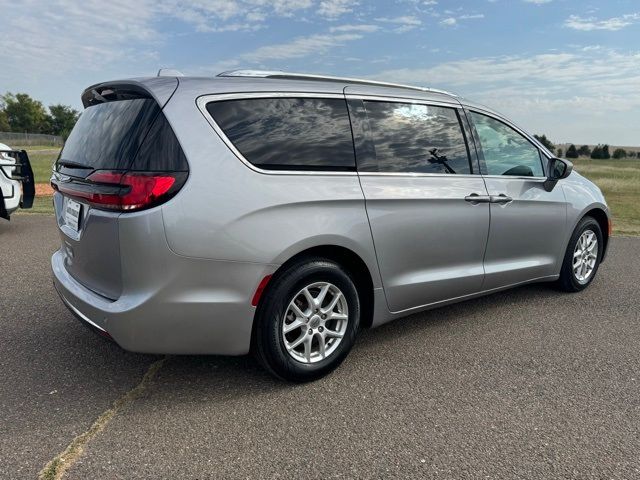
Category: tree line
<point>21,113</point>
<point>600,152</point>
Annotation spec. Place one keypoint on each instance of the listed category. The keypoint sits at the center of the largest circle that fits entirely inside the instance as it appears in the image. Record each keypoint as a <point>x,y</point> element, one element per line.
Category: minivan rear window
<point>108,135</point>
<point>288,133</point>
<point>131,134</point>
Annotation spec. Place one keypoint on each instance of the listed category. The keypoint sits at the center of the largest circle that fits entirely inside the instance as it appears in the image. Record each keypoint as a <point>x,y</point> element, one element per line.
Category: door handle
<point>475,198</point>
<point>502,198</point>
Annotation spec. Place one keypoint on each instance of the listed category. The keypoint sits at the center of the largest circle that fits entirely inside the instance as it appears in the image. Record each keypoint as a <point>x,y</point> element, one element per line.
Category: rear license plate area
<point>72,214</point>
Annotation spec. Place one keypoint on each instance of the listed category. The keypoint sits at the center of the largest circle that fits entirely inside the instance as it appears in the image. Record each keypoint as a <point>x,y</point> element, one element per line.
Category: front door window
<point>505,151</point>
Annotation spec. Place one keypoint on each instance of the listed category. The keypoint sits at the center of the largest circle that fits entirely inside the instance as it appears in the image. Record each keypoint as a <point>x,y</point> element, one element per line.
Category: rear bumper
<point>199,307</point>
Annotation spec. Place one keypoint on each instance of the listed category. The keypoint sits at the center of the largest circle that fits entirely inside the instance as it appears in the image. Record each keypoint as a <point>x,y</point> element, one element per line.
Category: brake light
<point>124,191</point>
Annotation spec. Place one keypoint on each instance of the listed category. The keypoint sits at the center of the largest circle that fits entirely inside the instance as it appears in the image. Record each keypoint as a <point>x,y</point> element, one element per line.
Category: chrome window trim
<point>419,101</point>
<point>418,174</point>
<point>206,99</point>
<point>450,175</point>
<point>516,177</point>
<point>541,148</point>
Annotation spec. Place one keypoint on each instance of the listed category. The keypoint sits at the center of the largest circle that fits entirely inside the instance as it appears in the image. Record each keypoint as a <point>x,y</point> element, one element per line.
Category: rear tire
<point>307,321</point>
<point>582,258</point>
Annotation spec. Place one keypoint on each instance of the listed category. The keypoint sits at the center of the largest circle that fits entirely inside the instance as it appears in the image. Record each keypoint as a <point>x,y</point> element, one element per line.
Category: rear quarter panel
<point>227,211</point>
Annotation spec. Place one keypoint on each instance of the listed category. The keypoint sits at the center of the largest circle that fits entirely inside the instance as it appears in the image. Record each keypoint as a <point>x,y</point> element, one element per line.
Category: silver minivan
<point>281,213</point>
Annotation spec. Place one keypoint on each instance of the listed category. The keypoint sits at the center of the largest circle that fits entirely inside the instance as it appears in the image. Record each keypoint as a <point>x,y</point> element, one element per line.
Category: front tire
<point>307,321</point>
<point>582,258</point>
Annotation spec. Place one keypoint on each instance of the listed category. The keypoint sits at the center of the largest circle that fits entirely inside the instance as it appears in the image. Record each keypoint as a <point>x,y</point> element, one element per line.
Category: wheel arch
<point>603,219</point>
<point>351,261</point>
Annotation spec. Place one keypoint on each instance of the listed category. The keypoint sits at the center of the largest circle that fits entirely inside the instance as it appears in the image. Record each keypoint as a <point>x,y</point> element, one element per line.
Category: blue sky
<point>567,68</point>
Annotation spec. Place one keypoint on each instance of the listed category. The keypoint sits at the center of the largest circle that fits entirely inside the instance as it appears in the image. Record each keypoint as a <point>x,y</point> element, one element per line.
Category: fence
<point>15,139</point>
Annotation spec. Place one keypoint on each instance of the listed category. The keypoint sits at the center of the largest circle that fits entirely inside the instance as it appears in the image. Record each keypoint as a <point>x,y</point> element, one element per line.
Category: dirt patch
<point>43,190</point>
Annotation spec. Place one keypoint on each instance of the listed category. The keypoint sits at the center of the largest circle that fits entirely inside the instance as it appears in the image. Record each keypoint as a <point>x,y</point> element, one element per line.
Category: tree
<point>24,114</point>
<point>605,152</point>
<point>61,120</point>
<point>572,152</point>
<point>559,153</point>
<point>4,121</point>
<point>632,154</point>
<point>546,142</point>
<point>584,151</point>
<point>619,153</point>
<point>596,153</point>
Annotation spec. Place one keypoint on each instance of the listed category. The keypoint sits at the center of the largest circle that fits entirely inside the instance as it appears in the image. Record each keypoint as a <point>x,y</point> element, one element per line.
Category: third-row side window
<point>289,133</point>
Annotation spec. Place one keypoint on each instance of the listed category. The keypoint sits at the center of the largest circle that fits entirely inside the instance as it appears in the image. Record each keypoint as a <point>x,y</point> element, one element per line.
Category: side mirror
<point>559,168</point>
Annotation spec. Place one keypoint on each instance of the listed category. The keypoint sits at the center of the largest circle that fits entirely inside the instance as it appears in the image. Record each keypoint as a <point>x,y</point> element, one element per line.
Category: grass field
<point>42,159</point>
<point>619,180</point>
<point>42,204</point>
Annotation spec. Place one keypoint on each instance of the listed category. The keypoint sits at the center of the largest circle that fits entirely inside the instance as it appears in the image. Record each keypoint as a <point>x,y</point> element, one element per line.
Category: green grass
<point>619,180</point>
<point>41,205</point>
<point>42,159</point>
<point>33,148</point>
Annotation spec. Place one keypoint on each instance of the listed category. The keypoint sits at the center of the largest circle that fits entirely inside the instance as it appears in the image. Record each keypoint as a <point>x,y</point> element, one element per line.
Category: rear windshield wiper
<point>72,164</point>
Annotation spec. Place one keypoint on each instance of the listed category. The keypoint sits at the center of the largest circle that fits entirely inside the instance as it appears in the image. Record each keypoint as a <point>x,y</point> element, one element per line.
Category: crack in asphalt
<point>58,466</point>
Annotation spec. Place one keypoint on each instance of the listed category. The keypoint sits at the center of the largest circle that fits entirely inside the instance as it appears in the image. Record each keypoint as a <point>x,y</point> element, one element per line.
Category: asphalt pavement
<point>529,383</point>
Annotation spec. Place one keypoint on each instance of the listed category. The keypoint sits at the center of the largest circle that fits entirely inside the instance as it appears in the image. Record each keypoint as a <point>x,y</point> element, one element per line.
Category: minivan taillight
<point>123,191</point>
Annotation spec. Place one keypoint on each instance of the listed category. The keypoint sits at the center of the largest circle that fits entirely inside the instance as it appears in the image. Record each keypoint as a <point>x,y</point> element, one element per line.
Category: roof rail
<point>307,76</point>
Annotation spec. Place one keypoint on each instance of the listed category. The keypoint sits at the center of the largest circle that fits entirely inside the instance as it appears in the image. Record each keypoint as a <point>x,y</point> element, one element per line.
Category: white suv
<point>17,189</point>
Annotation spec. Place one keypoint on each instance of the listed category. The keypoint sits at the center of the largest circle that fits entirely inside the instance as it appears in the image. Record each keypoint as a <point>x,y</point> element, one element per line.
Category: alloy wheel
<point>585,256</point>
<point>315,322</point>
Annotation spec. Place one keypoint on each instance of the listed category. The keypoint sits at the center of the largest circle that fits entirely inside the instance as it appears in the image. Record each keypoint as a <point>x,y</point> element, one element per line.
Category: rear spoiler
<point>160,88</point>
<point>23,173</point>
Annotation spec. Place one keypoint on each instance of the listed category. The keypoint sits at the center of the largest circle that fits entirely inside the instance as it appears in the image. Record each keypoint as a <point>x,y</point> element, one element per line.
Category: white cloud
<point>226,15</point>
<point>40,36</point>
<point>300,47</point>
<point>587,24</point>
<point>538,2</point>
<point>68,33</point>
<point>365,28</point>
<point>335,8</point>
<point>405,22</point>
<point>452,21</point>
<point>581,96</point>
<point>548,80</point>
